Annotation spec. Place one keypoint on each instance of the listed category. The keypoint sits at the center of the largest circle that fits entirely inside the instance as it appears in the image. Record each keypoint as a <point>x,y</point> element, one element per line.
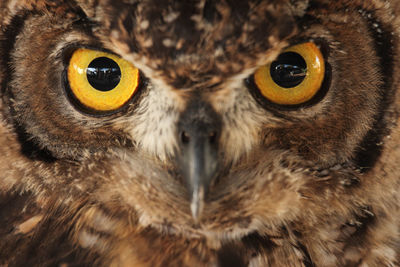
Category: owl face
<point>202,117</point>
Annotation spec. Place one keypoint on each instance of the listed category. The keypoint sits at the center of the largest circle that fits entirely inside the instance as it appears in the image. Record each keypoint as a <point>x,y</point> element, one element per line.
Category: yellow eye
<point>101,81</point>
<point>294,77</point>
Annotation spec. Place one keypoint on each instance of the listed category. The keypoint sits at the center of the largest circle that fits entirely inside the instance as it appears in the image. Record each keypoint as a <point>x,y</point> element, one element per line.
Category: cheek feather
<point>242,120</point>
<point>153,126</point>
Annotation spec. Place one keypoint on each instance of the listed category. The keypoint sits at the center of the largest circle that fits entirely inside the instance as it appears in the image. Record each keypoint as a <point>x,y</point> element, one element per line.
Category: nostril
<point>212,137</point>
<point>185,138</point>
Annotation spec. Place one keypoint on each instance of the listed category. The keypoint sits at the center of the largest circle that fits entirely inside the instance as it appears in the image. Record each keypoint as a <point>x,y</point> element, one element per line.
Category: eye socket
<point>294,77</point>
<point>101,81</point>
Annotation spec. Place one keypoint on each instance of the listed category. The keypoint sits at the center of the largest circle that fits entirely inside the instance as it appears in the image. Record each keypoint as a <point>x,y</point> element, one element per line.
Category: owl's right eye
<point>100,81</point>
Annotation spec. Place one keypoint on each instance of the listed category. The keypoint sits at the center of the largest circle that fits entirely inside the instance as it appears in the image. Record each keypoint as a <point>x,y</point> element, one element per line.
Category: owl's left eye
<point>294,77</point>
<point>100,81</point>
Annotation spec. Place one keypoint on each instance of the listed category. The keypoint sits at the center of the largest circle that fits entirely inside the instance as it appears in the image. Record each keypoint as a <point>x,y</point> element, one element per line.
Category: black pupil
<point>289,70</point>
<point>103,74</point>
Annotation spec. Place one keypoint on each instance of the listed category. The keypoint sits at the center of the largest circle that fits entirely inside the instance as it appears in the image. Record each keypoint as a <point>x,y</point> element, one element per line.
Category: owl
<point>199,133</point>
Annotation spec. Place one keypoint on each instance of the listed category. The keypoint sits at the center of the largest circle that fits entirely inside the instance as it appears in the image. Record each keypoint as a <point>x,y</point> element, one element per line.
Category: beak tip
<point>197,203</point>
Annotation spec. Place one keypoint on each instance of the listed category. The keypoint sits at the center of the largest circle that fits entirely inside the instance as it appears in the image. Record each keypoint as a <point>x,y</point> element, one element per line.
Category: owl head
<point>216,118</point>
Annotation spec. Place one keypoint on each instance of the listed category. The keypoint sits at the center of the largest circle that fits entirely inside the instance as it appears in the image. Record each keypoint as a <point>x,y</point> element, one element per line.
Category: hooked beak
<point>199,133</point>
<point>199,168</point>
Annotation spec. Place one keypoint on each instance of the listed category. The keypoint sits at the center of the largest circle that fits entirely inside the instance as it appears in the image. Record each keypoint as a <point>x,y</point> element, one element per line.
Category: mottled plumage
<point>308,185</point>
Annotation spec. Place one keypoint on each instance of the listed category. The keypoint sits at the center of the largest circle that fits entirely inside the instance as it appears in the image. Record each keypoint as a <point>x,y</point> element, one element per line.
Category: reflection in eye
<point>103,74</point>
<point>289,70</point>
